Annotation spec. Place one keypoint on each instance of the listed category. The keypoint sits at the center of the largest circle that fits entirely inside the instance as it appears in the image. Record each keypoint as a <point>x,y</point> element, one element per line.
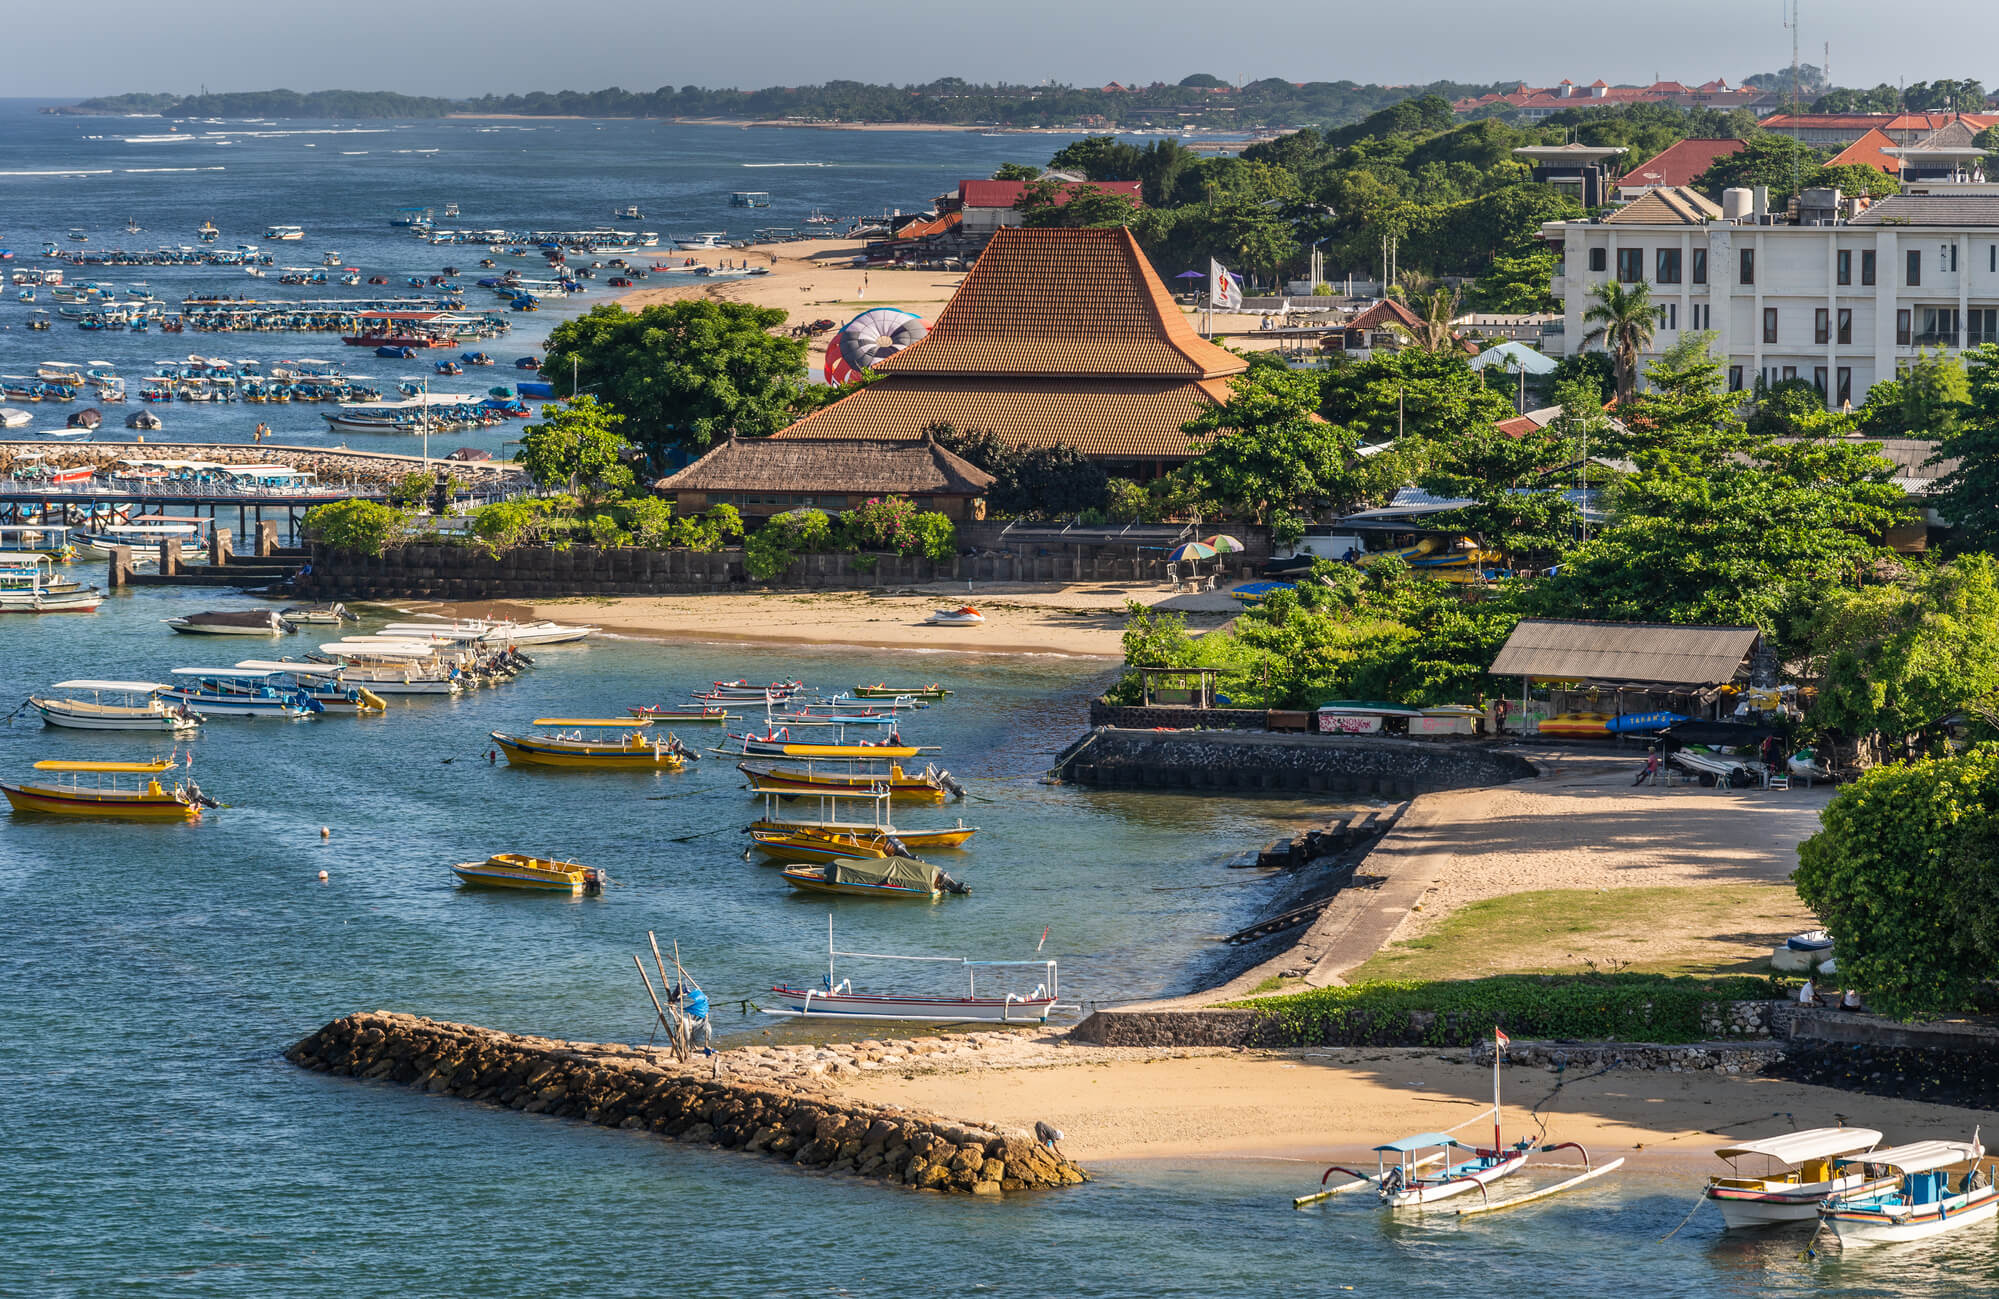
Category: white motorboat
<point>285,234</point>
<point>142,536</point>
<point>236,622</point>
<point>14,417</point>
<point>28,584</point>
<point>1798,1171</point>
<point>962,616</point>
<point>1711,767</point>
<point>324,684</point>
<point>496,631</point>
<point>131,706</point>
<point>316,614</point>
<point>238,692</point>
<point>837,999</point>
<point>1919,1200</point>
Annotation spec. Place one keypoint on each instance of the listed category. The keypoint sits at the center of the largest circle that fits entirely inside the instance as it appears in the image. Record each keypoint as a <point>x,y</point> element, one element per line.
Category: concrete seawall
<point>1277,763</point>
<point>626,1087</point>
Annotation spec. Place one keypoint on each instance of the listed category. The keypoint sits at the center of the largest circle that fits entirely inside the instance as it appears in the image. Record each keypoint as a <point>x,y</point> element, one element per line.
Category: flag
<point>1499,1040</point>
<point>1224,289</point>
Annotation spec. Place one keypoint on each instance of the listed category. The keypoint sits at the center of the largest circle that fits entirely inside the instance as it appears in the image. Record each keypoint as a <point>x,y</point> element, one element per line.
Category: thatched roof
<point>1651,652</point>
<point>914,467</point>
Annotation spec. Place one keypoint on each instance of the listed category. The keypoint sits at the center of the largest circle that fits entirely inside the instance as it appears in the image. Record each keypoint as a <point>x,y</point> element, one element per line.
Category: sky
<point>501,46</point>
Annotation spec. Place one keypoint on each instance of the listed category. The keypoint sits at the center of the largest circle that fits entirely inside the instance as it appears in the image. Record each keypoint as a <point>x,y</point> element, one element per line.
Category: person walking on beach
<point>1651,770</point>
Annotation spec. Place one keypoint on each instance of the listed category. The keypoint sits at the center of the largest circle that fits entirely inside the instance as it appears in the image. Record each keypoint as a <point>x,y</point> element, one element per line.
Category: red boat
<point>81,474</point>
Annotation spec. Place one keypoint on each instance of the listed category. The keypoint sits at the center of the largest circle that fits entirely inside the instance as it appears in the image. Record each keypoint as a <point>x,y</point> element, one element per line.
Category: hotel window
<point>1867,266</point>
<point>1845,334</point>
<point>1672,315</point>
<point>1818,380</point>
<point>1701,314</point>
<point>1947,257</point>
<point>1981,325</point>
<point>1668,266</point>
<point>1915,266</point>
<point>1844,260</point>
<point>1790,373</point>
<point>1936,327</point>
<point>1845,396</point>
<point>1700,265</point>
<point>1822,326</point>
<point>1598,259</point>
<point>1735,378</point>
<point>1631,265</point>
<point>1902,327</point>
<point>1748,275</point>
<point>1992,257</point>
<point>1769,324</point>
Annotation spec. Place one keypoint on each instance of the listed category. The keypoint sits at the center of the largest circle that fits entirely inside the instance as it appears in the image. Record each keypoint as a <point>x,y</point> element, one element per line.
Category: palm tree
<point>1433,332</point>
<point>1624,316</point>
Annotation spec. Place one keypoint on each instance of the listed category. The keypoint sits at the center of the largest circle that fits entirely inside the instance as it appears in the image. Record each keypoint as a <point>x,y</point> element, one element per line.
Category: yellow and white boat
<point>793,838</point>
<point>513,870</point>
<point>94,789</point>
<point>573,744</point>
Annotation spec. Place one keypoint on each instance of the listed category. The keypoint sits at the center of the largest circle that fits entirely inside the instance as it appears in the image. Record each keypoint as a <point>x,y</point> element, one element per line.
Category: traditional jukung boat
<point>886,691</point>
<point>134,706</point>
<point>779,744</point>
<point>1919,1200</point>
<point>836,998</point>
<point>811,778</point>
<point>94,789</point>
<point>513,870</point>
<point>822,838</point>
<point>1799,1172</point>
<point>571,745</point>
<point>668,713</point>
<point>875,877</point>
<point>322,683</point>
<point>238,692</point>
<point>775,692</point>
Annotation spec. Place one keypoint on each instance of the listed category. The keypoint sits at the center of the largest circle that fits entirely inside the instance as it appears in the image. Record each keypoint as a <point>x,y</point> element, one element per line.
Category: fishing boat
<point>813,778</point>
<point>234,622</point>
<point>238,692</point>
<point>886,691</point>
<point>513,870</point>
<point>49,539</point>
<point>1710,766</point>
<point>779,744</point>
<point>132,706</point>
<point>874,877</point>
<point>324,685</point>
<point>962,616</point>
<point>95,789</point>
<point>775,692</point>
<point>317,614</point>
<point>669,713</point>
<point>574,744</point>
<point>1920,1200</point>
<point>207,231</point>
<point>1799,1170</point>
<point>28,584</point>
<point>787,836</point>
<point>837,999</point>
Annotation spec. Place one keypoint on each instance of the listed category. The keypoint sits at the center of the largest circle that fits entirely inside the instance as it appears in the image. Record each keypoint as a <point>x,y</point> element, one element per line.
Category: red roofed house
<point>1055,336</point>
<point>1837,130</point>
<point>1678,165</point>
<point>1866,152</point>
<point>1537,102</point>
<point>988,205</point>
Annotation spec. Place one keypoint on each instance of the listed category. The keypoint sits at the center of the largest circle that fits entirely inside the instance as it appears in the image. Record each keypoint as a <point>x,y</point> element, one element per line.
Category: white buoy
<point>325,832</point>
<point>322,877</point>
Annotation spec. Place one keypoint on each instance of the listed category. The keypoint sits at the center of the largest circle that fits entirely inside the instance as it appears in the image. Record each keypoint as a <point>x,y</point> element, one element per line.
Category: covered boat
<point>813,778</point>
<point>234,622</point>
<point>97,789</point>
<point>513,870</point>
<point>874,877</point>
<point>239,692</point>
<point>1797,1171</point>
<point>1921,1199</point>
<point>130,706</point>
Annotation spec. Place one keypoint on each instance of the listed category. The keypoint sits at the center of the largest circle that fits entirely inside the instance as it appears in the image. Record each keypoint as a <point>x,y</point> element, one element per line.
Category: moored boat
<point>784,836</point>
<point>669,713</point>
<point>131,706</point>
<point>234,622</point>
<point>95,789</point>
<point>571,745</point>
<point>314,614</point>
<point>813,778</point>
<point>1919,1200</point>
<point>28,584</point>
<point>321,683</point>
<point>779,744</point>
<point>1800,1170</point>
<point>238,692</point>
<point>886,691</point>
<point>874,877</point>
<point>513,870</point>
<point>836,998</point>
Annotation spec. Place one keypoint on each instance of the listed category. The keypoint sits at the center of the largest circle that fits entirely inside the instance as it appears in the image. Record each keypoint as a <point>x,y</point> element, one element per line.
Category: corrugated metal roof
<point>1137,419</point>
<point>1663,652</point>
<point>1072,303</point>
<point>802,464</point>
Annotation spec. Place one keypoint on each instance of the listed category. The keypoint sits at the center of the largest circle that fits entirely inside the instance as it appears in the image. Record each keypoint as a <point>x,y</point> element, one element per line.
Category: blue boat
<point>239,692</point>
<point>396,353</point>
<point>1642,722</point>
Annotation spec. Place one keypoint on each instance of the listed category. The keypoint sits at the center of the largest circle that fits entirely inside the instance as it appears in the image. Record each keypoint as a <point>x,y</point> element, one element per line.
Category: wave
<point>149,171</point>
<point>175,138</point>
<point>106,171</point>
<point>353,153</point>
<point>787,164</point>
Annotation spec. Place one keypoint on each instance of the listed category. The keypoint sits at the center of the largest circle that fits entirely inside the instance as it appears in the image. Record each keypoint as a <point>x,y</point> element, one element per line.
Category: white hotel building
<point>1837,293</point>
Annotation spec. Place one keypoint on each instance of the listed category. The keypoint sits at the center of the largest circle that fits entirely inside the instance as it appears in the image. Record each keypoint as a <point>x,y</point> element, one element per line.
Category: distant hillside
<point>270,103</point>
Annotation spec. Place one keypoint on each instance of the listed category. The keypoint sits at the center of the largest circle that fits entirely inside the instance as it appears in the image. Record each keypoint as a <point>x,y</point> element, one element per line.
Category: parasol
<point>1191,550</point>
<point>1191,275</point>
<point>1222,544</point>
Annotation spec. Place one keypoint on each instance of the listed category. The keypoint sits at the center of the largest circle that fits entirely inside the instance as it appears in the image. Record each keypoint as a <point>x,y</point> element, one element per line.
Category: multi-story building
<point>1837,292</point>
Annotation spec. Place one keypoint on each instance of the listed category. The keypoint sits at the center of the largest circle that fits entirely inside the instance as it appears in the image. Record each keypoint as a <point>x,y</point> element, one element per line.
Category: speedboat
<point>513,870</point>
<point>1919,1199</point>
<point>1799,1170</point>
<point>245,622</point>
<point>238,692</point>
<point>1712,767</point>
<point>132,706</point>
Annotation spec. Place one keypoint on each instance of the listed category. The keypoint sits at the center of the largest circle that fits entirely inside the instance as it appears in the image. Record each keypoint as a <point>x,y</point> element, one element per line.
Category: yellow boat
<point>632,750</point>
<point>828,836</point>
<point>144,800</point>
<point>783,778</point>
<point>513,870</point>
<point>874,877</point>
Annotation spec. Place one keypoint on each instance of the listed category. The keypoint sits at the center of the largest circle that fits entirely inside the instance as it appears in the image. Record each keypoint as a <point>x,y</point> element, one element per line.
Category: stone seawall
<point>626,1087</point>
<point>1248,1026</point>
<point>333,465</point>
<point>1277,763</point>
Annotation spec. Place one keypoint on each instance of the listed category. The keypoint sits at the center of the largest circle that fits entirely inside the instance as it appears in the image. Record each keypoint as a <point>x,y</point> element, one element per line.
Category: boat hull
<point>811,879</point>
<point>1854,1227</point>
<point>187,628</point>
<point>520,751</point>
<point>480,875</point>
<point>243,706</point>
<point>1448,1186</point>
<point>1748,1206</point>
<point>813,1004</point>
<point>902,787</point>
<point>110,719</point>
<point>124,807</point>
<point>914,840</point>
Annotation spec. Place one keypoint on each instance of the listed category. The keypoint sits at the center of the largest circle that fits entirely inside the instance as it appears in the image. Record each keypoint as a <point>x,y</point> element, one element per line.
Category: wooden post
<point>267,537</point>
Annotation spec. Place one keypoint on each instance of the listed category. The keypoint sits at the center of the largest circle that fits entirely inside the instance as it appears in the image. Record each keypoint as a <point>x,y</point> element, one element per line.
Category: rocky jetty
<point>772,1112</point>
<point>333,465</point>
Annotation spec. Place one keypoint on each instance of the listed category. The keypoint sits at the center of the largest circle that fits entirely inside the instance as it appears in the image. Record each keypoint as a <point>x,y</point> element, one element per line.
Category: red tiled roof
<point>1682,162</point>
<point>1064,303</point>
<point>1117,419</point>
<point>1937,121</point>
<point>1006,193</point>
<point>1866,152</point>
<point>924,229</point>
<point>1383,314</point>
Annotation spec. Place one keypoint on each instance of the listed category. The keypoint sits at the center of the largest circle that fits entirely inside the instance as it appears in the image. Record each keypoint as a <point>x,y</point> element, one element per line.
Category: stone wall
<point>1247,1026</point>
<point>1283,763</point>
<point>626,1087</point>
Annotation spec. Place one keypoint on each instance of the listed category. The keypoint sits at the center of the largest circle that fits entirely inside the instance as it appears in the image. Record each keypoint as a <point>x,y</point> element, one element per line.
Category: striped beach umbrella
<point>1191,550</point>
<point>1223,543</point>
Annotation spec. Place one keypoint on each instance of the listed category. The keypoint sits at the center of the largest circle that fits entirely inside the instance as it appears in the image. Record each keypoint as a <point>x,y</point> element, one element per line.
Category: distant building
<point>1580,170</point>
<point>766,476</point>
<point>1532,103</point>
<point>1867,152</point>
<point>988,205</point>
<point>1837,130</point>
<point>1681,164</point>
<point>1055,336</point>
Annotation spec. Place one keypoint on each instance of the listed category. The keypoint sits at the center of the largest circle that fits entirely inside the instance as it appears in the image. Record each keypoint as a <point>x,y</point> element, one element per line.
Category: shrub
<point>605,532</point>
<point>786,536</point>
<point>504,524</point>
<point>936,536</point>
<point>726,520</point>
<point>883,523</point>
<point>650,520</point>
<point>1126,502</point>
<point>411,489</point>
<point>366,526</point>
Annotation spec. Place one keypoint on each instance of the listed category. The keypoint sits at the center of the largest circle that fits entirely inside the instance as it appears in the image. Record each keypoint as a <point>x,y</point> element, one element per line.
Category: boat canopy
<point>23,559</point>
<point>1368,706</point>
<point>1804,1147</point>
<point>621,723</point>
<point>130,687</point>
<point>900,872</point>
<point>1920,1156</point>
<point>1422,1141</point>
<point>270,666</point>
<point>224,674</point>
<point>147,768</point>
<point>265,471</point>
<point>378,650</point>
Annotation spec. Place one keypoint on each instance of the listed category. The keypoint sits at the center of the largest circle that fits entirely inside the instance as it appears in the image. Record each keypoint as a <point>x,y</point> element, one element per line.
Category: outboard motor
<point>950,783</point>
<point>950,885</point>
<point>594,880</point>
<point>198,798</point>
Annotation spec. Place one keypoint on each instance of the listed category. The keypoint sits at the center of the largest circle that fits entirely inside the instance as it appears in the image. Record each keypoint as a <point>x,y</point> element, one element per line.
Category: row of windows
<point>1666,264</point>
<point>1775,374</point>
<point>1914,327</point>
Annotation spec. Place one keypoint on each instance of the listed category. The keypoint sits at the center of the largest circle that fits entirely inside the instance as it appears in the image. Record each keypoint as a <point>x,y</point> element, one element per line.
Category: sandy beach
<point>1084,620</point>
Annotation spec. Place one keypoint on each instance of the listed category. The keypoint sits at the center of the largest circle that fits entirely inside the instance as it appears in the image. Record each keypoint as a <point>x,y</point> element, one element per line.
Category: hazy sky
<point>509,45</point>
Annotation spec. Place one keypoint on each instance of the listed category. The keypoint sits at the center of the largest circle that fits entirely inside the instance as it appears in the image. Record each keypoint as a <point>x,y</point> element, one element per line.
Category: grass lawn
<point>1702,930</point>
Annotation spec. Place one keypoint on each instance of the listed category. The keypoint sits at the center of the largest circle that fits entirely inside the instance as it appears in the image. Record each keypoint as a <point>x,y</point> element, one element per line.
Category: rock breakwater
<point>766,1113</point>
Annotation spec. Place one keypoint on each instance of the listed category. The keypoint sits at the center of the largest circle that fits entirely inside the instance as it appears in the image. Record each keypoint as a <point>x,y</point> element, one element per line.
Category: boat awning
<point>120,768</point>
<point>1921,1156</point>
<point>132,687</point>
<point>1803,1147</point>
<point>1422,1141</point>
<point>223,674</point>
<point>622,723</point>
<point>267,666</point>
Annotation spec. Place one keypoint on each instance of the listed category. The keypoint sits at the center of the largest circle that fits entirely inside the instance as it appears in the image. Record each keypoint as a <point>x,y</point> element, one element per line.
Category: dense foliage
<point>1053,481</point>
<point>359,525</point>
<point>577,445</point>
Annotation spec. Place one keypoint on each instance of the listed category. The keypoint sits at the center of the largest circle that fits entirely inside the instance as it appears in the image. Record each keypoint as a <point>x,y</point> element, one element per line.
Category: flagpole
<point>1496,1049</point>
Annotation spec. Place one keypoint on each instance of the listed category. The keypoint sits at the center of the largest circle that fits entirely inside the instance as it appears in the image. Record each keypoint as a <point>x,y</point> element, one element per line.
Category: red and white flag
<point>1500,1040</point>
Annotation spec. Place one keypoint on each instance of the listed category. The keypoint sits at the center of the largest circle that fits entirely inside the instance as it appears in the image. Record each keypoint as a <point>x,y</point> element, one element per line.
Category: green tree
<point>1968,496</point>
<point>1621,319</point>
<point>684,374</point>
<point>1935,389</point>
<point>577,445</point>
<point>1058,204</point>
<point>1264,451</point>
<point>1053,481</point>
<point>1767,158</point>
<point>1015,171</point>
<point>368,527</point>
<point>772,548</point>
<point>1515,284</point>
<point>1432,331</point>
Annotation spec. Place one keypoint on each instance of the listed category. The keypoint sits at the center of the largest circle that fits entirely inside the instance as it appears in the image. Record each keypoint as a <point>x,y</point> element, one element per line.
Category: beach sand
<point>1083,620</point>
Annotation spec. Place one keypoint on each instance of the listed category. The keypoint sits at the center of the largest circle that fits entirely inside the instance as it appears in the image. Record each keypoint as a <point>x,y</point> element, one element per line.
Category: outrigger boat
<point>1407,1176</point>
<point>1800,1174</point>
<point>1919,1200</point>
<point>134,706</point>
<point>779,744</point>
<point>782,778</point>
<point>836,998</point>
<point>826,838</point>
<point>145,800</point>
<point>238,692</point>
<point>875,877</point>
<point>569,747</point>
<point>775,692</point>
<point>668,713</point>
<point>513,870</point>
<point>886,691</point>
